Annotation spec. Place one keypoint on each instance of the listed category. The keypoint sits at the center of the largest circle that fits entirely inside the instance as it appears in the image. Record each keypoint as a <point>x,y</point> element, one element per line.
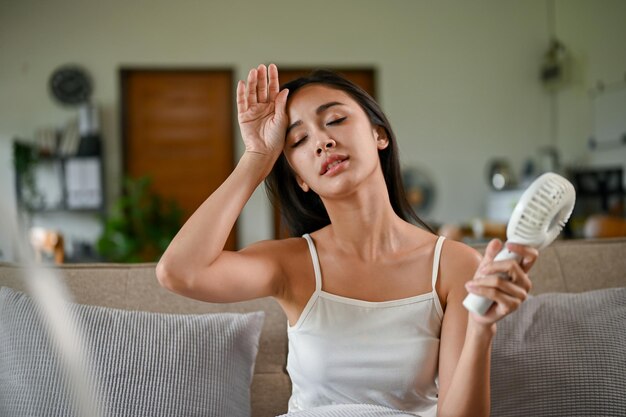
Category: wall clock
<point>70,85</point>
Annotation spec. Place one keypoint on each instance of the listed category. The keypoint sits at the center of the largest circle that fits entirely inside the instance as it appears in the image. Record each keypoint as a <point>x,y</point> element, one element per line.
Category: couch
<point>567,269</point>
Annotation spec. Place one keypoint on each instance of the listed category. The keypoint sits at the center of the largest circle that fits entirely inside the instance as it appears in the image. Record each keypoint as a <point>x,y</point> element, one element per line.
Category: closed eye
<point>332,122</point>
<point>336,121</point>
<point>299,141</point>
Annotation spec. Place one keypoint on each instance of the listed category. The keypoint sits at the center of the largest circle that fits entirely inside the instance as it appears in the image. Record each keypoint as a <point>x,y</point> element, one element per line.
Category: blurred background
<point>118,118</point>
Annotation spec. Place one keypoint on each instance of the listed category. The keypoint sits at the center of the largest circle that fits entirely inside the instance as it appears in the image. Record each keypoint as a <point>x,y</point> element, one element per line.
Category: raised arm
<point>195,263</point>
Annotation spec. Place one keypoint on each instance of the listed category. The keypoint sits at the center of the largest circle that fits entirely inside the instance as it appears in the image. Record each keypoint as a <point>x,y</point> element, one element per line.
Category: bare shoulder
<point>457,266</point>
<point>457,257</point>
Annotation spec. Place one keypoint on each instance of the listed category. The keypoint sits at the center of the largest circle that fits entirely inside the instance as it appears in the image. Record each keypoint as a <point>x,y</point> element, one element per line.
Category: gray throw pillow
<point>146,364</point>
<point>562,355</point>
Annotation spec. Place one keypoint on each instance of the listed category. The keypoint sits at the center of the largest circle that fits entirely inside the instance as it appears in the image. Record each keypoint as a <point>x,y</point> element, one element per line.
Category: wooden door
<point>177,128</point>
<point>363,77</point>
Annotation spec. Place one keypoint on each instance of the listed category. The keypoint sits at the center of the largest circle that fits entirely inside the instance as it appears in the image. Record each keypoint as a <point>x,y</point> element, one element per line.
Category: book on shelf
<point>70,140</point>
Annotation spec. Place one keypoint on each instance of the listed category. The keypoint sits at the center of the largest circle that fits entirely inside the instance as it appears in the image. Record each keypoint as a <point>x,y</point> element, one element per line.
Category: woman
<point>373,302</point>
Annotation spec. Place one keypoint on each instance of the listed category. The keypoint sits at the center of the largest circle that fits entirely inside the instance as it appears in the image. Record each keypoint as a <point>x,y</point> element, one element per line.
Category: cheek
<point>298,162</point>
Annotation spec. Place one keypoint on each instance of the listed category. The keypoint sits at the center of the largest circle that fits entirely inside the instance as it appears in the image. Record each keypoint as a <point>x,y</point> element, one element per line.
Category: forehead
<point>307,99</point>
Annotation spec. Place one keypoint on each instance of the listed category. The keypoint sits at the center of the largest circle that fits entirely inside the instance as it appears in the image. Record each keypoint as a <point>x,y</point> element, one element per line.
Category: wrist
<point>480,331</point>
<point>257,163</point>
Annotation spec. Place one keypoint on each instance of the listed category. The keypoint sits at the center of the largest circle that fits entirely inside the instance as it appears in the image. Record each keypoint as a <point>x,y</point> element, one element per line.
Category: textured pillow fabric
<point>562,355</point>
<point>350,410</point>
<point>146,364</point>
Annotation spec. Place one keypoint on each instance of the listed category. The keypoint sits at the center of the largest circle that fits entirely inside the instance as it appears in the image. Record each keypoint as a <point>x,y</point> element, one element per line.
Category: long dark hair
<point>304,212</point>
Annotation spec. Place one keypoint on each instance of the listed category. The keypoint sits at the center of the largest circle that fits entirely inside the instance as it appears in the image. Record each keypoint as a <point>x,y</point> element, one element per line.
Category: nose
<point>327,143</point>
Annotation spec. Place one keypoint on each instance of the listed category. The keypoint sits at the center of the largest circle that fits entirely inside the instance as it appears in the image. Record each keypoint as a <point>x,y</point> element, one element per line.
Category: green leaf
<point>141,224</point>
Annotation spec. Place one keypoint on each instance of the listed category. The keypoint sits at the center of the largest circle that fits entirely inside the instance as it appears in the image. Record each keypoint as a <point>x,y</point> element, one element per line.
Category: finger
<point>508,270</point>
<point>241,97</point>
<point>496,283</point>
<point>261,84</point>
<point>274,84</point>
<point>251,88</point>
<point>494,246</point>
<point>528,254</point>
<point>506,302</point>
<point>281,104</point>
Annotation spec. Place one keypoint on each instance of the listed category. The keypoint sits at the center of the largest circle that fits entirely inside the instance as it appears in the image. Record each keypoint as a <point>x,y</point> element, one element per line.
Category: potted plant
<point>25,159</point>
<point>140,226</point>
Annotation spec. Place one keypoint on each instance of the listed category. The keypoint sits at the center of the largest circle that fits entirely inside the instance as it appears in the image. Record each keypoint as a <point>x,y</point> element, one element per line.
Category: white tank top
<point>348,351</point>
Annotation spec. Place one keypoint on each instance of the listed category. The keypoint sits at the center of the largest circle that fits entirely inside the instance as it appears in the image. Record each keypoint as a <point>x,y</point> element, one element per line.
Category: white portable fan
<point>537,220</point>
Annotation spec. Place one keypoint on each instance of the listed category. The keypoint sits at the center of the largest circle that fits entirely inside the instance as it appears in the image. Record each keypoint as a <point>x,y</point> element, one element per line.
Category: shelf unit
<point>64,183</point>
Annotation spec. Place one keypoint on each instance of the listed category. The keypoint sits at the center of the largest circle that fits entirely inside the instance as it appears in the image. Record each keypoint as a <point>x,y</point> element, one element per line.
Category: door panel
<point>178,129</point>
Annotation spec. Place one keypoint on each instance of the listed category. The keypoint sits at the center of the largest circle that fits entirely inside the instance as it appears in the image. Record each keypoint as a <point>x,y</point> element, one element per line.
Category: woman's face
<point>331,144</point>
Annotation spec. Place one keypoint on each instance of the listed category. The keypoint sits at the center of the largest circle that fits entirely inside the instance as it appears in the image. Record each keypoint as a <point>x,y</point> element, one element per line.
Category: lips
<point>331,161</point>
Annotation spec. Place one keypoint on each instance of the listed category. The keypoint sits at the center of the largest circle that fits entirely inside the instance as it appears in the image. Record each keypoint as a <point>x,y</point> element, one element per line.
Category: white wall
<point>457,79</point>
<point>596,33</point>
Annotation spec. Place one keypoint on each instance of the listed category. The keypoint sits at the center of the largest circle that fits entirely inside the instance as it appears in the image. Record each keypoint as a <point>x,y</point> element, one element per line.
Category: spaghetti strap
<point>436,258</point>
<point>438,246</point>
<point>316,262</point>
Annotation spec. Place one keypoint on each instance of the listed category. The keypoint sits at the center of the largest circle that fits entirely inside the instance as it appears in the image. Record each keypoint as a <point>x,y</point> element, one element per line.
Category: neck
<point>364,223</point>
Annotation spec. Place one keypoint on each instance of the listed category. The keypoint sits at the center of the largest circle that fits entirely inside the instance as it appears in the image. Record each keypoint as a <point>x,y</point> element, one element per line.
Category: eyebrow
<point>319,110</point>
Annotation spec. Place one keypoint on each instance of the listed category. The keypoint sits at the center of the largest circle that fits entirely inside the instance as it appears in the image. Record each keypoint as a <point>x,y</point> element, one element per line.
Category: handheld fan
<point>537,220</point>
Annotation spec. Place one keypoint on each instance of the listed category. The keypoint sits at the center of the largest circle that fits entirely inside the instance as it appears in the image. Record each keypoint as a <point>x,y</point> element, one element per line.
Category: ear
<point>382,140</point>
<point>302,184</point>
